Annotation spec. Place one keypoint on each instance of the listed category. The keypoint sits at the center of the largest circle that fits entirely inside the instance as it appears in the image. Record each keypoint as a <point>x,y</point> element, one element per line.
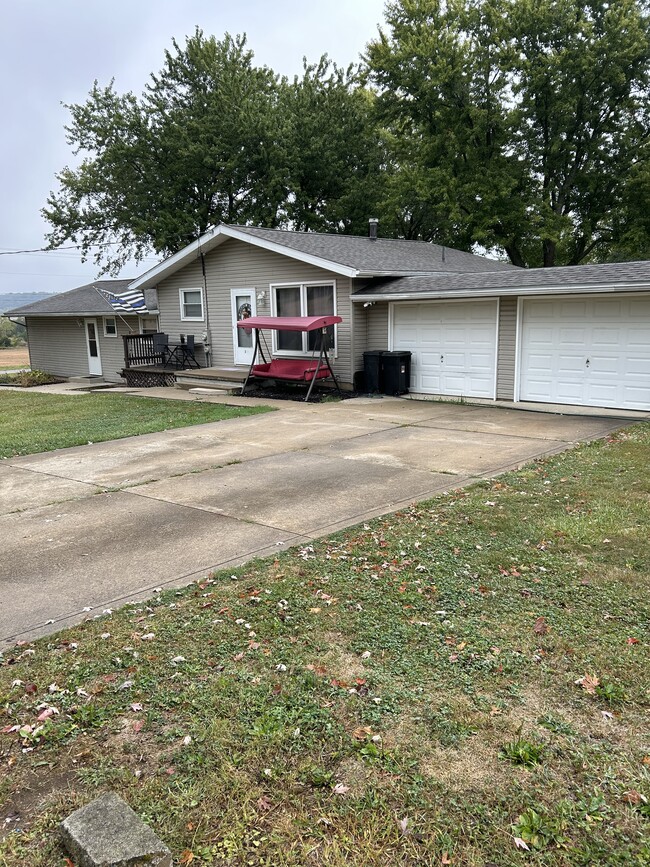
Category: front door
<point>92,345</point>
<point>243,307</point>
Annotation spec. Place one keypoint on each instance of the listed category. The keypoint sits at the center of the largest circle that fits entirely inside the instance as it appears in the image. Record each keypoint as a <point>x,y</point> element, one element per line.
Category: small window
<point>191,304</point>
<point>110,326</point>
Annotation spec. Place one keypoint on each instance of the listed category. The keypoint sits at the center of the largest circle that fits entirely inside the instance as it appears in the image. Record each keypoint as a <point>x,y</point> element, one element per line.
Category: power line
<point>45,276</point>
<point>9,251</point>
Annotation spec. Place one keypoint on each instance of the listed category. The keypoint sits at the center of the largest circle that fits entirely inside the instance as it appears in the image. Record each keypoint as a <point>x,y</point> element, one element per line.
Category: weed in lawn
<point>537,829</point>
<point>612,693</point>
<point>523,752</point>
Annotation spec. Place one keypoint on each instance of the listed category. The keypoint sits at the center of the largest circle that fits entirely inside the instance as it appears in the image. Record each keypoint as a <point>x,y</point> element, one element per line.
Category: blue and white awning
<point>130,301</point>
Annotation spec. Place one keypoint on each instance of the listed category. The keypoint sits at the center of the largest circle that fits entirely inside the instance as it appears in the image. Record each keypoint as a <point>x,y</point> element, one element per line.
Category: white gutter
<point>496,291</point>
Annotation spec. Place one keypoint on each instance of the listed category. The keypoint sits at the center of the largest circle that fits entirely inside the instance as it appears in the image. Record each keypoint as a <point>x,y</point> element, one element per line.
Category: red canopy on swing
<point>288,323</point>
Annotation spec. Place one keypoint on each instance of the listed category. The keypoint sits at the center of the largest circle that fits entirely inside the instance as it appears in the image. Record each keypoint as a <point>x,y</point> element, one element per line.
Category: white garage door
<point>453,346</point>
<point>589,352</point>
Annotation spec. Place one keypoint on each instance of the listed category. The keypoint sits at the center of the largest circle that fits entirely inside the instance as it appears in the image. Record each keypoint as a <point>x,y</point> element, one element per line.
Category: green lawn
<point>32,423</point>
<point>443,686</point>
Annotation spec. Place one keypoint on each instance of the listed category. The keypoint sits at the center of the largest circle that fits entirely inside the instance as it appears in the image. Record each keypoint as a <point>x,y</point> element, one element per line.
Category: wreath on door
<point>244,311</point>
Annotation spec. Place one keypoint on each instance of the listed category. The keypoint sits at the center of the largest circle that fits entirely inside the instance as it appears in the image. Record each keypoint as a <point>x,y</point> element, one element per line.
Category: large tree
<point>334,153</point>
<point>216,139</point>
<point>517,124</point>
<point>198,147</point>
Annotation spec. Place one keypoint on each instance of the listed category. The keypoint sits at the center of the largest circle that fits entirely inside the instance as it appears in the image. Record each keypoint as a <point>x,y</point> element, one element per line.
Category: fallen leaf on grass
<point>588,682</point>
<point>264,804</point>
<point>187,857</point>
<point>340,789</point>
<point>138,725</point>
<point>541,626</point>
<point>46,714</point>
<point>362,733</point>
<point>445,858</point>
<point>632,641</point>
<point>403,825</point>
<point>633,797</point>
<point>521,844</point>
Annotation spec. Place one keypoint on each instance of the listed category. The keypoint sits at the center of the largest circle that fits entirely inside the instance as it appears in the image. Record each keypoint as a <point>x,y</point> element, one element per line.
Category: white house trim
<point>218,235</point>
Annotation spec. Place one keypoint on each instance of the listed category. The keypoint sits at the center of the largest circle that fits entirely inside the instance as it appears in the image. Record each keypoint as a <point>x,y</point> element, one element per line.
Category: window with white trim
<point>303,299</point>
<point>110,326</point>
<point>191,305</point>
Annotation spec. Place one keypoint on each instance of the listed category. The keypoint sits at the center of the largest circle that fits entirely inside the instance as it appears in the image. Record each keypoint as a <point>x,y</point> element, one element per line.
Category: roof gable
<point>348,255</point>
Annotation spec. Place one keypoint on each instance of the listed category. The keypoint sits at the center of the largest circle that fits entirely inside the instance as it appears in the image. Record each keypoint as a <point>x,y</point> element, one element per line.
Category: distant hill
<point>9,300</point>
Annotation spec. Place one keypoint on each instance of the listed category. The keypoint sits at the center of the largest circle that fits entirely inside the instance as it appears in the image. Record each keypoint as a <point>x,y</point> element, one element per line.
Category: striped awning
<point>130,301</point>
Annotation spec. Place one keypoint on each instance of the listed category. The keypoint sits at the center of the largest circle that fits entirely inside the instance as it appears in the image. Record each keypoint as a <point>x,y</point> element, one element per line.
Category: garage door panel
<point>591,352</point>
<point>453,346</point>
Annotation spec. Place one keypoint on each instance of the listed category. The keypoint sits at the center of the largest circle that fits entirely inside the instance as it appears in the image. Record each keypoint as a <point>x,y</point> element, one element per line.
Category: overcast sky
<point>51,51</point>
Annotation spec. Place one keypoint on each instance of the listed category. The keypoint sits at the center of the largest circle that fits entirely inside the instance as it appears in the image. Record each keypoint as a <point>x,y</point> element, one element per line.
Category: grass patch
<point>31,423</point>
<point>445,685</point>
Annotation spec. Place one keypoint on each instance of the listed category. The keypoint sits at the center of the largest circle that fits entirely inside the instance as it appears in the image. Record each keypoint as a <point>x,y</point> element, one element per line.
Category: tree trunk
<point>549,249</point>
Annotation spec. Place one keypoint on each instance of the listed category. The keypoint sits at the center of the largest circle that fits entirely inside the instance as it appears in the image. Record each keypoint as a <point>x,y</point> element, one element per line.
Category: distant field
<point>15,356</point>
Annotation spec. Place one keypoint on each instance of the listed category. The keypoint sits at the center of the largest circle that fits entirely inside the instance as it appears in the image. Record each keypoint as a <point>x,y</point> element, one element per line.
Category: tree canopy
<point>518,126</point>
<point>521,122</point>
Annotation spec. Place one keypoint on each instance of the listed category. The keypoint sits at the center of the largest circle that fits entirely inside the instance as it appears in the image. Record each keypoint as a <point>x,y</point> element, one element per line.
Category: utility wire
<point>5,251</point>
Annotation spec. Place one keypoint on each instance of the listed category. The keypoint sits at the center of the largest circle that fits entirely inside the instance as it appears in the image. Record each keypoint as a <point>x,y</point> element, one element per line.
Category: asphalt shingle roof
<point>84,300</point>
<point>531,279</point>
<point>383,255</point>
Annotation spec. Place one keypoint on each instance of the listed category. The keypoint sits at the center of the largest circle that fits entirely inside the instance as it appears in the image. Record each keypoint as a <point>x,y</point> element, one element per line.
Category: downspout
<point>207,340</point>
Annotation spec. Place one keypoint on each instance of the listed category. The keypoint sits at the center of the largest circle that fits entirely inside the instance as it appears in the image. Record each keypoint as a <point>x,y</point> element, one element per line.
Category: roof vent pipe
<point>373,222</point>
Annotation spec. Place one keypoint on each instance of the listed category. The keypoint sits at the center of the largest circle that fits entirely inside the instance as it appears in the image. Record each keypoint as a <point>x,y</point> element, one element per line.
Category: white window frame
<point>141,322</point>
<point>104,321</point>
<point>181,299</point>
<point>302,285</point>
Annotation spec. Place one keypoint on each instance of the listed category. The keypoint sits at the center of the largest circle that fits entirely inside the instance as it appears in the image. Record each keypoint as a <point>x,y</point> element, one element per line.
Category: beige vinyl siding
<point>370,329</point>
<point>378,326</point>
<point>507,346</point>
<point>57,344</point>
<point>111,349</point>
<point>237,265</point>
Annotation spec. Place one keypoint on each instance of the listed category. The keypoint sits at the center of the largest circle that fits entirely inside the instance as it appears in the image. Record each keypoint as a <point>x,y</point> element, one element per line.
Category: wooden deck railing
<point>143,349</point>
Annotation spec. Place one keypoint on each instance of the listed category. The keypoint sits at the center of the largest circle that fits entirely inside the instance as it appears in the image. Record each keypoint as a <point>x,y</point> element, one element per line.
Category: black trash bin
<point>372,369</point>
<point>396,368</point>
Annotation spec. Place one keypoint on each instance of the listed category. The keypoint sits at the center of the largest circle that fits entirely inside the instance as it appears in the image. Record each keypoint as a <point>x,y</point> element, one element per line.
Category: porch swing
<point>297,370</point>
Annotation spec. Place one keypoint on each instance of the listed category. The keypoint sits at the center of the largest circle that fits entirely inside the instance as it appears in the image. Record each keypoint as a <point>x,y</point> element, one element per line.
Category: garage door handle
<point>588,362</point>
<point>442,358</point>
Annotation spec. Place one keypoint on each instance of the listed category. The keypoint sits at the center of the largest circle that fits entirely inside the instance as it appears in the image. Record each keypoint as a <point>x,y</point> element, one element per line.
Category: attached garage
<point>453,345</point>
<point>587,351</point>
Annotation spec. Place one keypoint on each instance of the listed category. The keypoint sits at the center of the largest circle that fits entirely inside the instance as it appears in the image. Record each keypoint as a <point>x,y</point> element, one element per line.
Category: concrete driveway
<point>96,526</point>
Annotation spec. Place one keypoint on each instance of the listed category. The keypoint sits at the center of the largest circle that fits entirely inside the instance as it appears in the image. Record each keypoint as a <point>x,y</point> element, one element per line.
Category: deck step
<point>226,379</point>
